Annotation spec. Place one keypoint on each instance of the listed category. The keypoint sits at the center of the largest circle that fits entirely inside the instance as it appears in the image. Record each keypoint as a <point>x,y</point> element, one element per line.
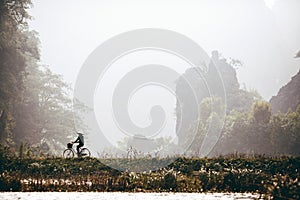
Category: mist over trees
<point>35,104</point>
<point>36,108</point>
<point>259,132</point>
<point>13,52</point>
<point>249,126</point>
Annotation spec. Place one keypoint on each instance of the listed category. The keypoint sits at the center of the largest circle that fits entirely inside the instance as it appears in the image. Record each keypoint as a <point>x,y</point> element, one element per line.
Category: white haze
<point>264,35</point>
<point>264,40</point>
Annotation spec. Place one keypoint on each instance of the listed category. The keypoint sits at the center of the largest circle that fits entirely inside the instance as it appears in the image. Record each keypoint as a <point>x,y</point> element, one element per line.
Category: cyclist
<point>80,140</point>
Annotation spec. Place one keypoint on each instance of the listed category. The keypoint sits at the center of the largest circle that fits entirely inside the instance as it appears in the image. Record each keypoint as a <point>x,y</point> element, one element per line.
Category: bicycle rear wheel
<point>68,153</point>
<point>85,152</point>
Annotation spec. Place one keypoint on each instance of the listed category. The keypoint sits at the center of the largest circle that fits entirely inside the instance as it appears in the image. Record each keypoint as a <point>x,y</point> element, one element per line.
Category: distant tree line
<point>254,132</point>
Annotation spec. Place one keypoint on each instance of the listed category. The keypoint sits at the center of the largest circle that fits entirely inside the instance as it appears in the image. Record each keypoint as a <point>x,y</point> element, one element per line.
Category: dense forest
<point>36,104</point>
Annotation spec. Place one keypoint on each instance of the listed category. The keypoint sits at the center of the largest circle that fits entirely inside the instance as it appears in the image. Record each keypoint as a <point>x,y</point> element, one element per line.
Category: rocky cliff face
<point>207,84</point>
<point>288,96</point>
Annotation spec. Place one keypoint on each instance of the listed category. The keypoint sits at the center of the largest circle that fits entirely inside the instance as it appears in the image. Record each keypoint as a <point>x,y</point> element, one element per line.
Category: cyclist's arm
<point>77,140</point>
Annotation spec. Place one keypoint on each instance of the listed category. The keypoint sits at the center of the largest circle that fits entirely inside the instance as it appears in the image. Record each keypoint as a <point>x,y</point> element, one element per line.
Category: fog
<point>264,38</point>
<point>263,35</point>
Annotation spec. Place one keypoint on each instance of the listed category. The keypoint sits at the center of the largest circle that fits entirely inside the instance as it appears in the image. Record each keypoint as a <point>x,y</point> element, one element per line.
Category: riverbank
<point>277,177</point>
<point>124,195</point>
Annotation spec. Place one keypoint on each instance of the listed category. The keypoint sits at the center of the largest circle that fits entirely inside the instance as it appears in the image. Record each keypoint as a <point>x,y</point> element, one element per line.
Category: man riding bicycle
<point>80,140</point>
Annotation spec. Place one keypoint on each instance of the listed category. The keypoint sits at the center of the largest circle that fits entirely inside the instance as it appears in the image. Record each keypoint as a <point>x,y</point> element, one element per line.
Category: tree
<point>45,112</point>
<point>206,130</point>
<point>261,111</point>
<point>14,54</point>
<point>35,104</point>
<point>279,139</point>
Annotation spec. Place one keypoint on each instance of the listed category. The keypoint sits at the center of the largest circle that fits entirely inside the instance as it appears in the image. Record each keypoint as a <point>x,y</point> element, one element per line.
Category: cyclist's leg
<point>78,146</point>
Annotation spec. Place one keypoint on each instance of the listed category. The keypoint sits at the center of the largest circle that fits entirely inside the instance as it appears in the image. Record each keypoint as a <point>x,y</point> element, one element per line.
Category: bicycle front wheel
<point>85,152</point>
<point>68,153</point>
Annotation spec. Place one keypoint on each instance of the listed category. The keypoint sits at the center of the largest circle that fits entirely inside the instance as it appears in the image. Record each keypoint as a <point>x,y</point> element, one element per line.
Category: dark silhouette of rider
<point>80,140</point>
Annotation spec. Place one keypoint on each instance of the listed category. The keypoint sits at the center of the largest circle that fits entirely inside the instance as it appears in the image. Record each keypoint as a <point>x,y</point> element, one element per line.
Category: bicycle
<point>70,152</point>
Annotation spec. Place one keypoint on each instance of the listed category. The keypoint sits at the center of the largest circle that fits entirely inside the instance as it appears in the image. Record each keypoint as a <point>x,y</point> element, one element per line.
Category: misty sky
<point>264,35</point>
<point>263,38</point>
